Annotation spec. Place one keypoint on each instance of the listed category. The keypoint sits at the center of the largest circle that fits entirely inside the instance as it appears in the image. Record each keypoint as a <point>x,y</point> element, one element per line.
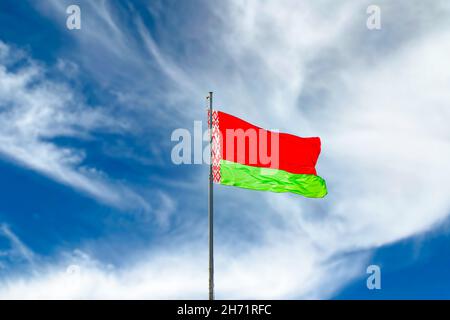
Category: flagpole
<point>210,203</point>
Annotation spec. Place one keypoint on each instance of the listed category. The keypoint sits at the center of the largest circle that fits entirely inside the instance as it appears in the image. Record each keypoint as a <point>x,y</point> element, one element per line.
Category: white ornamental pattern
<point>216,147</point>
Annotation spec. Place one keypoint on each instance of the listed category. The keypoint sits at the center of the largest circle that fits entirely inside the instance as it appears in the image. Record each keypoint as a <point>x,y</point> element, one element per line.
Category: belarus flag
<point>246,156</point>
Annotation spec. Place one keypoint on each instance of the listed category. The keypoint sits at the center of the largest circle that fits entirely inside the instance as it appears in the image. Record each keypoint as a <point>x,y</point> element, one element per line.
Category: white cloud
<point>181,274</point>
<point>18,247</point>
<point>34,110</point>
<point>379,103</point>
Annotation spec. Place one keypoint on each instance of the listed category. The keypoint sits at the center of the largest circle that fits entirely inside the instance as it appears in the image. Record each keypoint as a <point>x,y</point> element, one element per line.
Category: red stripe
<point>296,155</point>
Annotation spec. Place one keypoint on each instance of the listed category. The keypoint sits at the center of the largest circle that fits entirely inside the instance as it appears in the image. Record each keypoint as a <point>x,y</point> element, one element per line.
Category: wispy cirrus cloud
<point>34,110</point>
<point>17,248</point>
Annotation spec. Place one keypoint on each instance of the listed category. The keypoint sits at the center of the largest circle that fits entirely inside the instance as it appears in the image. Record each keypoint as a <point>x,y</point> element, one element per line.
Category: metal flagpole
<point>210,203</point>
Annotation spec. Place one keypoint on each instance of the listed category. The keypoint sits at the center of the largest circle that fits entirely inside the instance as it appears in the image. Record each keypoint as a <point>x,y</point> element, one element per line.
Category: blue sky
<point>86,118</point>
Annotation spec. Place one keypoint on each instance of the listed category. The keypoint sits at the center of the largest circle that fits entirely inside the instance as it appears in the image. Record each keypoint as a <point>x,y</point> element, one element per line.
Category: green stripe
<point>256,178</point>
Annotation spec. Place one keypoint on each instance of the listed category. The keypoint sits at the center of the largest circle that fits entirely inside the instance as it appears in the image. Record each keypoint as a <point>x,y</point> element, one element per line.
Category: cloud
<point>165,275</point>
<point>35,111</point>
<point>378,99</point>
<point>18,248</point>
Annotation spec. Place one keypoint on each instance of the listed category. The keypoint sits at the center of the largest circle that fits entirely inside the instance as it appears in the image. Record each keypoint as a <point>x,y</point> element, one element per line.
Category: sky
<point>93,207</point>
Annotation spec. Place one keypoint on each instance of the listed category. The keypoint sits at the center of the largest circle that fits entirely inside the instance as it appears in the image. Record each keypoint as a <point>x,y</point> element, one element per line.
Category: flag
<point>247,156</point>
